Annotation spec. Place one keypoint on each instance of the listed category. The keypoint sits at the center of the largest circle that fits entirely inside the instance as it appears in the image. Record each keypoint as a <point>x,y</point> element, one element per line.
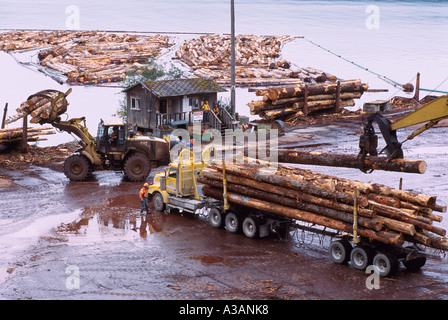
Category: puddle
<point>14,243</point>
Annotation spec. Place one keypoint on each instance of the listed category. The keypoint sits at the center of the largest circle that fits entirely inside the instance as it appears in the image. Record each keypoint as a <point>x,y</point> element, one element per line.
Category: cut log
<point>295,203</point>
<point>400,226</point>
<point>350,161</point>
<point>316,89</point>
<point>285,192</point>
<point>397,214</point>
<point>263,175</point>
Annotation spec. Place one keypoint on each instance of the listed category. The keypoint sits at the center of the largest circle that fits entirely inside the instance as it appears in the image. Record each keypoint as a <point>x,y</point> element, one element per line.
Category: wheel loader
<point>114,148</point>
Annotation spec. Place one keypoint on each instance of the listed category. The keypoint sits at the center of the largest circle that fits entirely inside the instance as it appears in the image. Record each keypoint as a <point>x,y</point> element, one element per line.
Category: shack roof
<point>180,87</point>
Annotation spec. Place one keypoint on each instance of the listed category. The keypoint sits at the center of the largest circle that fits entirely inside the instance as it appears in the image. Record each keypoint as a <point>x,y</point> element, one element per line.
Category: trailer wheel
<point>361,257</point>
<point>250,227</point>
<point>157,199</point>
<point>215,218</point>
<point>233,222</point>
<point>386,264</point>
<point>339,251</point>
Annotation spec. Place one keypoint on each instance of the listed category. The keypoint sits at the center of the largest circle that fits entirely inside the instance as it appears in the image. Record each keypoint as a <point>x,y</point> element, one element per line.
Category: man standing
<point>206,109</point>
<point>144,198</point>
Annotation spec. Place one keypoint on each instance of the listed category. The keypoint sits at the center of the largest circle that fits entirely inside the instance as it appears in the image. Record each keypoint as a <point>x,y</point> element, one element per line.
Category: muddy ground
<point>87,240</point>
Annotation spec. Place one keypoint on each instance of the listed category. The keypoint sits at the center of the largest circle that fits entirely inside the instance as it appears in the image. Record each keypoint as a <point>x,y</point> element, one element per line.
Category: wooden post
<point>305,101</point>
<point>417,88</point>
<point>23,146</point>
<point>4,115</point>
<point>337,105</point>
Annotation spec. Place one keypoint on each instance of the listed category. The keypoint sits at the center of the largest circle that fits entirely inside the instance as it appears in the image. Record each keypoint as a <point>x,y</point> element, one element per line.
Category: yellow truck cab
<point>177,187</point>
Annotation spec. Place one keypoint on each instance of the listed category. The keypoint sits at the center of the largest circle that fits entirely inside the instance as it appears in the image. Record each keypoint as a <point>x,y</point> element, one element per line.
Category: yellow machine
<point>176,187</point>
<point>114,148</point>
<point>431,113</point>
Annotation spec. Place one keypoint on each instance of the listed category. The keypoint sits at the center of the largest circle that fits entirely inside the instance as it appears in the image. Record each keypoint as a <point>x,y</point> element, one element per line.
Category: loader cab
<point>111,137</point>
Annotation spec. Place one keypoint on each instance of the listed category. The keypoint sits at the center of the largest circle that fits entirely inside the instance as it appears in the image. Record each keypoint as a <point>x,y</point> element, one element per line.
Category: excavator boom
<point>430,114</point>
<point>434,111</point>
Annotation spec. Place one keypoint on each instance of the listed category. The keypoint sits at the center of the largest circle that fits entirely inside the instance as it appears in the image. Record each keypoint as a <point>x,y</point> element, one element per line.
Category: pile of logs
<point>256,60</point>
<point>385,214</point>
<point>23,40</point>
<point>88,57</point>
<point>103,57</point>
<point>286,103</point>
<point>43,107</point>
<point>15,135</point>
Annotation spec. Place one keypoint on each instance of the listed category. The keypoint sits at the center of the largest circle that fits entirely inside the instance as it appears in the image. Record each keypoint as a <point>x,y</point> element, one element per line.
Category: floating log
<point>351,161</point>
<point>73,53</point>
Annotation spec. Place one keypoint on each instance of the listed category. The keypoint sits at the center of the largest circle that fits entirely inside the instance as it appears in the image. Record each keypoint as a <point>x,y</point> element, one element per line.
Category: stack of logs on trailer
<point>287,103</point>
<point>256,60</point>
<point>385,214</point>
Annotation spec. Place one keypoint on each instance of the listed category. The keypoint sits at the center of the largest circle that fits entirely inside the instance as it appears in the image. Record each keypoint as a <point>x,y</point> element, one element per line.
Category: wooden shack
<point>152,105</point>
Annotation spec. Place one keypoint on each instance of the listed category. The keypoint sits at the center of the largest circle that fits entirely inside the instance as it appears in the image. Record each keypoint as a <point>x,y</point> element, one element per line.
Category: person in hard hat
<point>206,110</point>
<point>144,198</point>
<point>205,106</point>
<point>216,110</point>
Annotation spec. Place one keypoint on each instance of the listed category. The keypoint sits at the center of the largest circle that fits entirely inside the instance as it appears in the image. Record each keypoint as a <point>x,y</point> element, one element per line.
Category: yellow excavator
<point>430,114</point>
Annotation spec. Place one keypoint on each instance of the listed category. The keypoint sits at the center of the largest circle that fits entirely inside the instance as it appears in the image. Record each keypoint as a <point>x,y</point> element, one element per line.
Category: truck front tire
<point>159,204</point>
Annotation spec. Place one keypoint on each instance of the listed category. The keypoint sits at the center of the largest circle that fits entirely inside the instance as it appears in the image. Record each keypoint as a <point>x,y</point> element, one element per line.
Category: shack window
<point>135,103</point>
<point>194,103</point>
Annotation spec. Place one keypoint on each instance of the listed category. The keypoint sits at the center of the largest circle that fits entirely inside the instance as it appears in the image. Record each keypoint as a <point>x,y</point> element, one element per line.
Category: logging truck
<point>177,189</point>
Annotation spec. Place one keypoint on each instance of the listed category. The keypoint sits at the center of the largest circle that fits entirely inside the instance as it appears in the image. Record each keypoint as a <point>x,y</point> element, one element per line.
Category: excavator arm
<point>430,114</point>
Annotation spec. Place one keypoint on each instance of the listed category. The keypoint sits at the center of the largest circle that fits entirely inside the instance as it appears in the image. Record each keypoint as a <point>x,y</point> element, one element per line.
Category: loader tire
<point>77,167</point>
<point>137,167</point>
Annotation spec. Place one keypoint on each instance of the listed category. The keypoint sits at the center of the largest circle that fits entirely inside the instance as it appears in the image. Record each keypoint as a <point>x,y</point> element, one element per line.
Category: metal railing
<point>165,118</point>
<point>224,120</point>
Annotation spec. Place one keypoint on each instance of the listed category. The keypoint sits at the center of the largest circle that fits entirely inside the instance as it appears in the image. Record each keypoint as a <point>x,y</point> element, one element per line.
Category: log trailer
<point>177,189</point>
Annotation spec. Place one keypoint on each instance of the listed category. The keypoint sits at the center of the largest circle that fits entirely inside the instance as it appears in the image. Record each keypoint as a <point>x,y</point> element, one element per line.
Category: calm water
<point>409,37</point>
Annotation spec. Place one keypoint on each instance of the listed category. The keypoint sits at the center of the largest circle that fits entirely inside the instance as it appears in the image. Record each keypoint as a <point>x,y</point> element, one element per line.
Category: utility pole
<point>232,68</point>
